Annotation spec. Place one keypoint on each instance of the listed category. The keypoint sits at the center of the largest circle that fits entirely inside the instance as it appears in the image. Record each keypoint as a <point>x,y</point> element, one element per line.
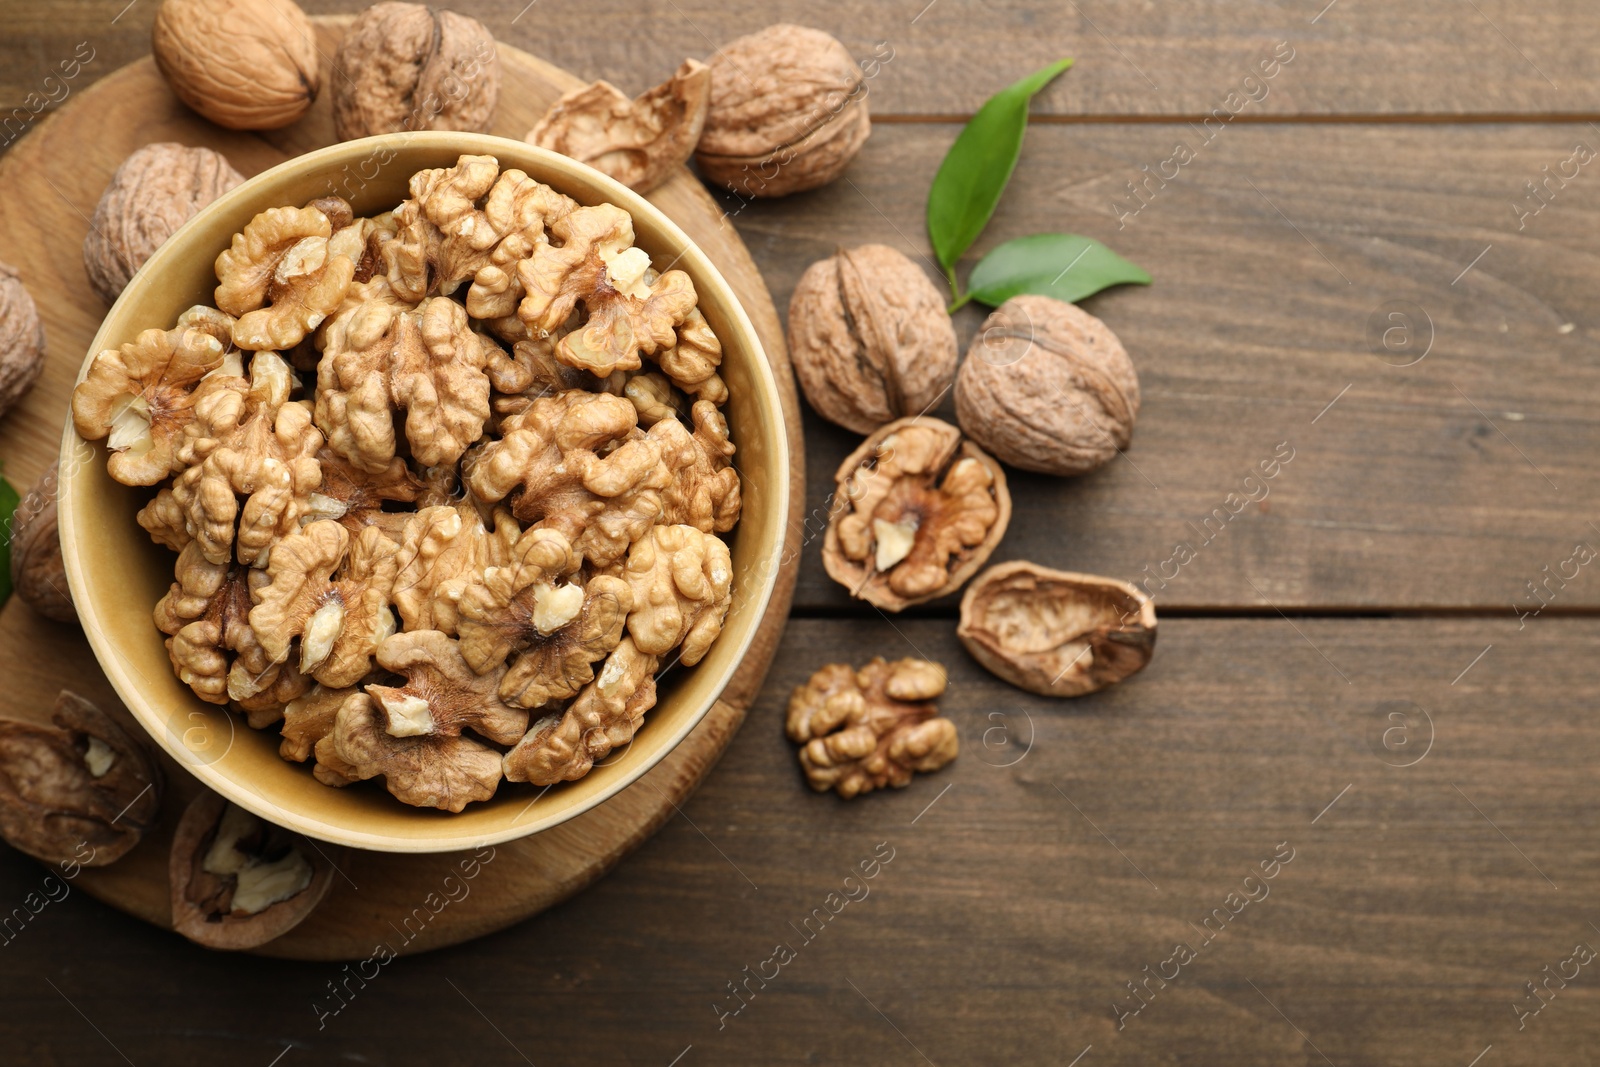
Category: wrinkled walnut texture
<point>21,339</point>
<point>870,338</point>
<point>1047,387</point>
<point>38,573</point>
<point>867,729</point>
<point>246,66</point>
<point>409,67</point>
<point>1056,633</point>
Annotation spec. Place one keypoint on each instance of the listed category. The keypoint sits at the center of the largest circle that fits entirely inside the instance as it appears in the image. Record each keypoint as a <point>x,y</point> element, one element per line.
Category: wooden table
<point>1350,673</point>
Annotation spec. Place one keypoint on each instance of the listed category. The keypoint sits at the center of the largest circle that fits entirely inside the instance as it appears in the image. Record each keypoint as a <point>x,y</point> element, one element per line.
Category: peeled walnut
<point>237,881</point>
<point>681,581</point>
<point>917,510</point>
<point>870,338</point>
<point>867,729</point>
<point>206,612</point>
<point>246,66</point>
<point>355,498</point>
<point>37,572</point>
<point>639,142</point>
<point>285,273</point>
<point>562,747</point>
<point>21,339</point>
<point>409,67</point>
<point>1056,633</point>
<point>788,112</point>
<point>153,192</point>
<point>1047,387</point>
<point>83,791</point>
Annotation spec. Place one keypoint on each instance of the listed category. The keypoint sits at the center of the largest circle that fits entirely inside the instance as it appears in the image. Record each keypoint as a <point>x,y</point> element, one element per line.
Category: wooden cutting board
<point>49,185</point>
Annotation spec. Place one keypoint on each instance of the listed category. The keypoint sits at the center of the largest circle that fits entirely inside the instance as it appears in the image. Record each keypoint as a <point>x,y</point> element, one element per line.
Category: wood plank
<point>1014,909</point>
<point>1429,57</point>
<point>1453,482</point>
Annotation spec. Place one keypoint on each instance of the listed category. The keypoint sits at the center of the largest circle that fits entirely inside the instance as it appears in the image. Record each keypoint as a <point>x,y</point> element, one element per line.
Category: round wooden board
<point>49,184</point>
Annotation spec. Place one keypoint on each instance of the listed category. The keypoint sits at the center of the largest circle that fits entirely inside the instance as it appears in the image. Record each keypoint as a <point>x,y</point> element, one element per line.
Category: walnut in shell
<point>410,67</point>
<point>237,881</point>
<point>870,338</point>
<point>246,66</point>
<point>21,339</point>
<point>788,112</point>
<point>639,142</point>
<point>156,190</point>
<point>82,791</point>
<point>1047,387</point>
<point>38,573</point>
<point>867,729</point>
<point>1056,633</point>
<point>917,510</point>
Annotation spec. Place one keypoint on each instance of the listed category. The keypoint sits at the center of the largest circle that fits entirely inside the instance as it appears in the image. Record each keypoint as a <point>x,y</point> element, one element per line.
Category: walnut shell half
<point>246,66</point>
<point>83,791</point>
<point>870,338</point>
<point>1047,387</point>
<point>237,882</point>
<point>156,190</point>
<point>409,67</point>
<point>38,573</point>
<point>917,509</point>
<point>1056,633</point>
<point>788,112</point>
<point>21,339</point>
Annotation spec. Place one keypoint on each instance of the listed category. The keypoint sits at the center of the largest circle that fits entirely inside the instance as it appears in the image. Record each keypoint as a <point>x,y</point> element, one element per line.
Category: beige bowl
<point>117,574</point>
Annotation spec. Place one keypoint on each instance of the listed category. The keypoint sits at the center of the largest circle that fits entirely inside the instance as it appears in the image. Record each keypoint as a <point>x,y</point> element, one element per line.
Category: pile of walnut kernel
<point>445,484</point>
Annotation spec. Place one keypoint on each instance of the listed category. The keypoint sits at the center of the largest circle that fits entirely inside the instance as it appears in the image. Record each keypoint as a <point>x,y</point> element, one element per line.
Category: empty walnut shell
<point>237,881</point>
<point>409,67</point>
<point>156,190</point>
<point>83,791</point>
<point>246,66</point>
<point>1047,387</point>
<point>870,338</point>
<point>788,112</point>
<point>37,572</point>
<point>917,510</point>
<point>1056,633</point>
<point>21,339</point>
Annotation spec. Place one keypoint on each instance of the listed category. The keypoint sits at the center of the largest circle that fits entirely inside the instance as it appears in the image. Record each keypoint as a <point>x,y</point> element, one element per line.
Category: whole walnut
<point>37,572</point>
<point>21,339</point>
<point>409,67</point>
<point>246,66</point>
<point>156,190</point>
<point>870,338</point>
<point>788,112</point>
<point>1047,387</point>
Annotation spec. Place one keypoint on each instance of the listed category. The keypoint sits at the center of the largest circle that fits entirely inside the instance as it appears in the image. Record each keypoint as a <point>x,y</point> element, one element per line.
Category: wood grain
<point>1425,57</point>
<point>1014,910</point>
<point>1450,483</point>
<point>71,156</point>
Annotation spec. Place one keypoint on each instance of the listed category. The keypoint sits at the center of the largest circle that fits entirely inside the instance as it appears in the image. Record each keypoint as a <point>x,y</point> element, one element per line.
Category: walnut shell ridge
<point>1047,387</point>
<point>409,67</point>
<point>245,66</point>
<point>870,338</point>
<point>788,112</point>
<point>21,339</point>
<point>38,573</point>
<point>153,192</point>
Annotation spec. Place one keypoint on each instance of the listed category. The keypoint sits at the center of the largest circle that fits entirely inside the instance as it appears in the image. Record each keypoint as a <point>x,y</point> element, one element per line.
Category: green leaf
<point>1063,265</point>
<point>978,166</point>
<point>8,504</point>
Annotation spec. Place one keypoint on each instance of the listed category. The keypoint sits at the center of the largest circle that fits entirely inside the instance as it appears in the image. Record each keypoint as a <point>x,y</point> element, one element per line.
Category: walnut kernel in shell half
<point>640,142</point>
<point>156,190</point>
<point>1056,633</point>
<point>1047,387</point>
<point>870,338</point>
<point>409,67</point>
<point>238,882</point>
<point>246,66</point>
<point>788,112</point>
<point>863,730</point>
<point>38,573</point>
<point>21,339</point>
<point>83,791</point>
<point>917,509</point>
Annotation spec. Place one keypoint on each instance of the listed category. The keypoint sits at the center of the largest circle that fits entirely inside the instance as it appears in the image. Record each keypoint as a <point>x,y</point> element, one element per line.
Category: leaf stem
<point>961,302</point>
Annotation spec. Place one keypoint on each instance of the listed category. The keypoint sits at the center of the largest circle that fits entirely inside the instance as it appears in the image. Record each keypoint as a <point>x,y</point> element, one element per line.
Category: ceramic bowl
<point>117,574</point>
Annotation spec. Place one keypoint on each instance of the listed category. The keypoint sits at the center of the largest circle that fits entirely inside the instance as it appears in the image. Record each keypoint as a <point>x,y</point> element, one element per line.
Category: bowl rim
<point>777,483</point>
